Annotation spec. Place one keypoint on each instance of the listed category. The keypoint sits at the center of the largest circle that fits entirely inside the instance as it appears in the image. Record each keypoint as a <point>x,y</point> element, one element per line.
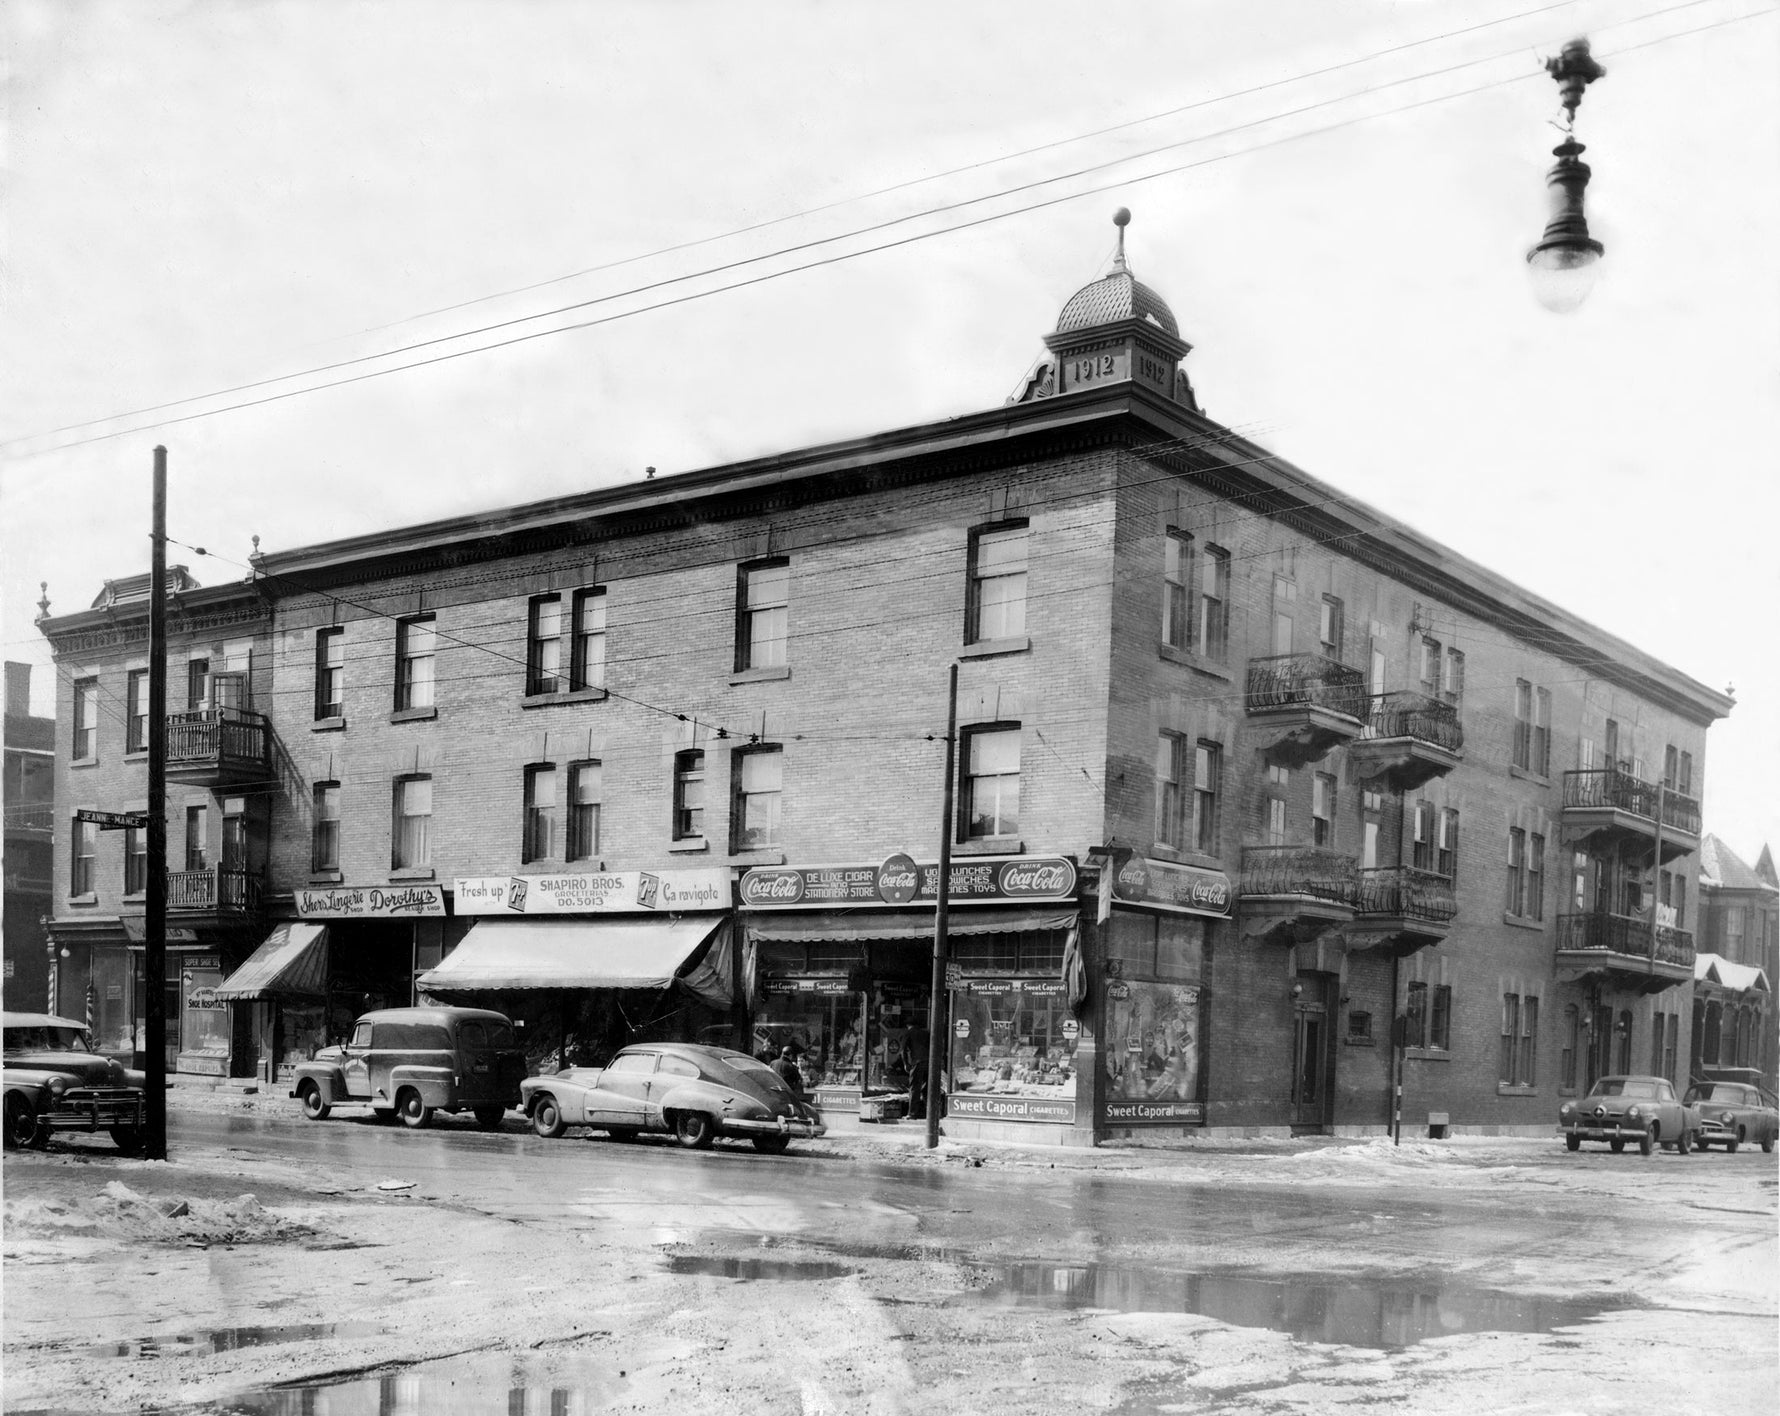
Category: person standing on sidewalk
<point>789,1072</point>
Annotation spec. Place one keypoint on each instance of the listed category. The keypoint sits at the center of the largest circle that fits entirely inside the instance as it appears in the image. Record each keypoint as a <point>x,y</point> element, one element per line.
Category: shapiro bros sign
<point>900,881</point>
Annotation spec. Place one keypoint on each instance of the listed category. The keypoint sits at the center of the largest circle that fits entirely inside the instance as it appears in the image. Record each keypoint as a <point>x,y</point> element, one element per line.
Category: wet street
<point>459,1271</point>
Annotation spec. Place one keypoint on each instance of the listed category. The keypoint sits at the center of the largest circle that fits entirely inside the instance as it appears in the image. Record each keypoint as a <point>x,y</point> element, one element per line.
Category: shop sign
<point>602,892</point>
<point>837,1099</point>
<point>1009,1108</point>
<point>1071,1027</point>
<point>988,881</point>
<point>898,879</point>
<point>370,901</point>
<point>203,997</point>
<point>1163,885</point>
<point>1001,987</point>
<point>819,986</point>
<point>1139,1113</point>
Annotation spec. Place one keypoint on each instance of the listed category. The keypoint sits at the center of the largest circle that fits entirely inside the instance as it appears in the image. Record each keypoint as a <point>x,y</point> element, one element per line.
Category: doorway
<point>1313,1060</point>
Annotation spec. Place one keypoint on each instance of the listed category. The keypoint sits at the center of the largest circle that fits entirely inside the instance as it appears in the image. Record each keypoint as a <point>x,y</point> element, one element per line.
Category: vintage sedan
<point>694,1092</point>
<point>56,1082</point>
<point>1732,1113</point>
<point>1630,1108</point>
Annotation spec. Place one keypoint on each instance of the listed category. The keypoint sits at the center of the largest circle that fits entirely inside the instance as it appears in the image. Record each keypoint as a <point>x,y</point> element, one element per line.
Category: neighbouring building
<point>1734,1023</point>
<point>1262,802</point>
<point>29,795</point>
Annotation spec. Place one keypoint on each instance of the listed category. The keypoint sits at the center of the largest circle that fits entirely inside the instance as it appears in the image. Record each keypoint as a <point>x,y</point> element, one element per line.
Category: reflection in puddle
<point>203,1344</point>
<point>1358,1313</point>
<point>459,1386</point>
<point>722,1267</point>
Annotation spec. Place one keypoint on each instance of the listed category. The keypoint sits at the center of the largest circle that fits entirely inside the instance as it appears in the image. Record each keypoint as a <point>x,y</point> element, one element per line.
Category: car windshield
<point>46,1039</point>
<point>1625,1086</point>
<point>1721,1091</point>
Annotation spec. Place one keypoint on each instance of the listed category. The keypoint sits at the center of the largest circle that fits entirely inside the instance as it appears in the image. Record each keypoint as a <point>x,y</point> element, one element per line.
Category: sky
<point>702,232</point>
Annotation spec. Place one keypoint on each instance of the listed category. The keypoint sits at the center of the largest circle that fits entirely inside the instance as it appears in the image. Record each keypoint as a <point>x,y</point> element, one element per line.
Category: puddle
<point>1356,1313</point>
<point>779,1269</point>
<point>204,1344</point>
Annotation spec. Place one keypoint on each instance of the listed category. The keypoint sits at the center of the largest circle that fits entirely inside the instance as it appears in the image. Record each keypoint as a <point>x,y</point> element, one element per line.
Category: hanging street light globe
<point>1565,263</point>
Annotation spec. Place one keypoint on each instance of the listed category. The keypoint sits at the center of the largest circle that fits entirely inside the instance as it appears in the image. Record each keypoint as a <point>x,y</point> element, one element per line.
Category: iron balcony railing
<point>1403,892</point>
<point>1609,787</point>
<point>1305,681</point>
<point>1300,870</point>
<point>1627,935</point>
<point>32,816</point>
<point>217,735</point>
<point>234,892</point>
<point>1414,715</point>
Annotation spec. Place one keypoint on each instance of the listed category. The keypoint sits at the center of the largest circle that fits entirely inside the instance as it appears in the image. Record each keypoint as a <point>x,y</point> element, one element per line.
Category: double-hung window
<point>1541,747</point>
<point>86,721</point>
<point>1517,871</point>
<point>1446,845</point>
<point>197,838</point>
<point>1171,762</point>
<point>1523,725</point>
<point>1331,629</point>
<point>1430,666</point>
<point>1453,689</point>
<point>1535,876</point>
<point>1415,1015</point>
<point>763,615</point>
<point>324,846</point>
<point>991,783</point>
<point>585,781</point>
<point>412,838</point>
<point>759,789</point>
<point>197,685</point>
<point>1422,841</point>
<point>135,860</point>
<point>1208,769</point>
<point>587,652</point>
<point>136,706</point>
<point>416,645</point>
<point>1177,580</point>
<point>689,796</point>
<point>540,841</point>
<point>997,608</point>
<point>1322,810</point>
<point>1214,603</point>
<point>543,646</point>
<point>330,673</point>
<point>86,850</point>
<point>1440,1018</point>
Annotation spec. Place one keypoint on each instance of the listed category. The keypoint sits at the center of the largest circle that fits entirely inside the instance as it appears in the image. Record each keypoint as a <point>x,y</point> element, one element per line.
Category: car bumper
<point>1606,1130</point>
<point>93,1111</point>
<point>1714,1131</point>
<point>775,1126</point>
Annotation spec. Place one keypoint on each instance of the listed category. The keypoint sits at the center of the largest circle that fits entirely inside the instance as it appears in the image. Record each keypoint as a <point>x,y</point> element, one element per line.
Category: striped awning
<point>293,962</point>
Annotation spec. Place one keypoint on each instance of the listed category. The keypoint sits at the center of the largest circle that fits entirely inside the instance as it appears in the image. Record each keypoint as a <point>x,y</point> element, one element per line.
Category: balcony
<point>1606,806</point>
<point>1409,739</point>
<point>1400,909</point>
<point>1306,704</point>
<point>1291,894</point>
<point>220,747</point>
<point>219,896</point>
<point>35,820</point>
<point>1621,947</point>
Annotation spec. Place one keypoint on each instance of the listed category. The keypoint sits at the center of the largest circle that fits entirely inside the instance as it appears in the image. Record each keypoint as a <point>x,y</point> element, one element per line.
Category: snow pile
<point>121,1213</point>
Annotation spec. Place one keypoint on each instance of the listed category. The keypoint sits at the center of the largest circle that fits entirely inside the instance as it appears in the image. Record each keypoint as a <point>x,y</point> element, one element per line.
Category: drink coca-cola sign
<point>899,880</point>
<point>1163,885</point>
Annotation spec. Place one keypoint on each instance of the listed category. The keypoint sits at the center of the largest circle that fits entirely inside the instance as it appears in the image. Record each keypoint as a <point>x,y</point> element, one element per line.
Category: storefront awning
<point>293,962</point>
<point>863,925</point>
<point>641,952</point>
<point>1739,978</point>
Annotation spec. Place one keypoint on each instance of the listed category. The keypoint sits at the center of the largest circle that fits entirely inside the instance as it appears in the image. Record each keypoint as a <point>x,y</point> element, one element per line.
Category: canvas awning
<point>1739,978</point>
<point>635,952</point>
<point>293,962</point>
<point>864,925</point>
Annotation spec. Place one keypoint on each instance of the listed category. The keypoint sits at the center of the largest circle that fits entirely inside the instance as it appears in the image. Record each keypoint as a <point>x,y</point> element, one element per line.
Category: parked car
<point>1732,1113</point>
<point>1631,1108</point>
<point>695,1092</point>
<point>411,1062</point>
<point>55,1081</point>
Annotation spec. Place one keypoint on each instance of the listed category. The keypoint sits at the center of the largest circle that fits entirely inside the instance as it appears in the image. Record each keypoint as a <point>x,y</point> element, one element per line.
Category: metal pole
<point>154,959</point>
<point>1656,872</point>
<point>1396,1059</point>
<point>938,1020</point>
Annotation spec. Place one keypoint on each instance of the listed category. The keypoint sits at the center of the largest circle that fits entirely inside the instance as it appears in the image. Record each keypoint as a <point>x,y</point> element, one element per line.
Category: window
<point>135,860</point>
<point>1510,1049</point>
<point>1684,781</point>
<point>1567,1055</point>
<point>1454,687</point>
<point>1517,871</point>
<point>1177,577</point>
<point>1208,771</point>
<point>1733,934</point>
<point>86,848</point>
<point>759,783</point>
<point>136,706</point>
<point>543,646</point>
<point>1523,725</point>
<point>540,841</point>
<point>587,656</point>
<point>1610,746</point>
<point>1375,672</point>
<point>197,838</point>
<point>1671,762</point>
<point>1440,1019</point>
<point>1322,810</point>
<point>324,843</point>
<point>1671,1041</point>
<point>584,810</point>
<point>1369,846</point>
<point>1285,595</point>
<point>1541,752</point>
<point>197,685</point>
<point>689,796</point>
<point>1330,632</point>
<point>1415,1016</point>
<point>86,719</point>
<point>1430,666</point>
<point>1657,1031</point>
<point>1446,844</point>
<point>1274,804</point>
<point>416,644</point>
<point>1214,607</point>
<point>412,843</point>
<point>330,673</point>
<point>991,783</point>
<point>1520,1039</point>
<point>763,599</point>
<point>1171,761</point>
<point>1422,842</point>
<point>997,607</point>
<point>1536,877</point>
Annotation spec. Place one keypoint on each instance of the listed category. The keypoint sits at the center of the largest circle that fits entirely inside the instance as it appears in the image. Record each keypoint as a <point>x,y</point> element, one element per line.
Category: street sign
<point>114,820</point>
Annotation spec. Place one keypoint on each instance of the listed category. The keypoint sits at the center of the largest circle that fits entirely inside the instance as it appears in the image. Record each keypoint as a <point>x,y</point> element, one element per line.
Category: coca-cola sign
<point>900,880</point>
<point>1163,885</point>
<point>1037,879</point>
<point>769,888</point>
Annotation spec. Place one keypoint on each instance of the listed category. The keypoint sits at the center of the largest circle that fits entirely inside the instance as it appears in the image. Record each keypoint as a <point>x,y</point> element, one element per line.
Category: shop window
<point>585,785</point>
<point>86,719</point>
<point>689,796</point>
<point>824,1019</point>
<point>1009,1039</point>
<point>136,711</point>
<point>1154,1046</point>
<point>412,845</point>
<point>991,783</point>
<point>330,673</point>
<point>197,838</point>
<point>986,953</point>
<point>1214,603</point>
<point>1177,578</point>
<point>324,853</point>
<point>1171,761</point>
<point>82,858</point>
<point>758,787</point>
<point>135,860</point>
<point>587,653</point>
<point>997,604</point>
<point>416,648</point>
<point>1208,772</point>
<point>540,813</point>
<point>763,610</point>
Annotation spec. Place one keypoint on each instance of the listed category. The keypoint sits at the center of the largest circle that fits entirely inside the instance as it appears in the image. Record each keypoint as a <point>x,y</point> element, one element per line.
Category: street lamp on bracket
<point>1565,263</point>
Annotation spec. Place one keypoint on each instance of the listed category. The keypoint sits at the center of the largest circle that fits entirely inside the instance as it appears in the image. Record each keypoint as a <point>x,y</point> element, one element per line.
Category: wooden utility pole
<point>938,1013</point>
<point>154,960</point>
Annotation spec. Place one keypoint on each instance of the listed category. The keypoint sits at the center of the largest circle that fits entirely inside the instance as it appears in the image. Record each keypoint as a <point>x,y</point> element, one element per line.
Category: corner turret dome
<point>1117,295</point>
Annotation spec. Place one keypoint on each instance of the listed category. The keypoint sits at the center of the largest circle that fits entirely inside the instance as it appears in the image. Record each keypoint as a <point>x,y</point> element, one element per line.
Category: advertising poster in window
<point>1154,1053</point>
<point>1013,1050</point>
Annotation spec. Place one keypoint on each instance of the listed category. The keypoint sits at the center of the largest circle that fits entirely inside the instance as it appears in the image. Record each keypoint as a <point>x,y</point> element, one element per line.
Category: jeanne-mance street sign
<point>114,820</point>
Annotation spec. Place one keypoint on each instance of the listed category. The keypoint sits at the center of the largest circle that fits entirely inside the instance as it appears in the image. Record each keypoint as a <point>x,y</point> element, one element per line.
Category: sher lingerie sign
<point>370,901</point>
<point>899,880</point>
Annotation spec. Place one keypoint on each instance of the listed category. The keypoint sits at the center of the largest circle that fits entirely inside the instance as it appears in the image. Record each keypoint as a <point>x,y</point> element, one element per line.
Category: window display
<point>823,1018</point>
<point>1012,1037</point>
<point>1153,1053</point>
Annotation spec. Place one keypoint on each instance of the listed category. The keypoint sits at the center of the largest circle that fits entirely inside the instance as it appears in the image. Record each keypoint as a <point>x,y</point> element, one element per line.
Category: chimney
<point>18,690</point>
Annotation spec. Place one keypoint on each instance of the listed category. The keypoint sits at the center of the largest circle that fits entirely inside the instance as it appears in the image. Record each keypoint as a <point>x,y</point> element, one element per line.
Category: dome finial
<point>1121,219</point>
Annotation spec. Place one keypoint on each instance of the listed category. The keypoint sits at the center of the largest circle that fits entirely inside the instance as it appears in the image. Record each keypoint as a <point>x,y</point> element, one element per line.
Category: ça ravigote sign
<point>602,892</point>
<point>899,881</point>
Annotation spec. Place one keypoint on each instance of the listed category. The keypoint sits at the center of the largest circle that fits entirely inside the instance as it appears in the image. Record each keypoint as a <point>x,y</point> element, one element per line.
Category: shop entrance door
<point>1312,1063</point>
